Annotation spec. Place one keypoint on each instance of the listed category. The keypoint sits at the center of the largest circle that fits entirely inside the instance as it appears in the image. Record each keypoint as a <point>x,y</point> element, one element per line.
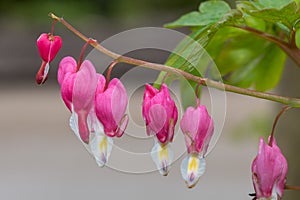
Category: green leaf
<point>263,72</point>
<point>187,53</point>
<point>278,4</point>
<point>230,48</point>
<point>256,22</point>
<point>209,12</point>
<point>215,8</point>
<point>243,59</point>
<point>191,19</point>
<point>269,69</point>
<point>285,13</point>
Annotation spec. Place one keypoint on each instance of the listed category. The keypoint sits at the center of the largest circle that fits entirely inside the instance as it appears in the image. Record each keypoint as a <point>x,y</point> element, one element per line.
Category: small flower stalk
<point>48,46</point>
<point>160,114</point>
<point>197,127</point>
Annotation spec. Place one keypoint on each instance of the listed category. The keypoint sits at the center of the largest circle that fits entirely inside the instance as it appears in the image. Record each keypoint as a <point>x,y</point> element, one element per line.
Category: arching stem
<point>293,102</point>
<point>285,108</point>
<point>52,27</point>
<point>292,187</point>
<point>111,66</point>
<point>90,41</point>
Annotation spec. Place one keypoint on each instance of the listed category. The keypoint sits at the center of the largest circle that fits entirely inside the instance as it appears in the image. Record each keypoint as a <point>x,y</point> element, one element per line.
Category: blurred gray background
<point>40,158</point>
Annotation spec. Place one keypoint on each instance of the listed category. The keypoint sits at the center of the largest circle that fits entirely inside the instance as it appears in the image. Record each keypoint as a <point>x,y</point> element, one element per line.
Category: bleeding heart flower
<point>110,106</point>
<point>197,127</point>
<point>269,170</point>
<point>48,46</point>
<point>78,91</point>
<point>160,114</point>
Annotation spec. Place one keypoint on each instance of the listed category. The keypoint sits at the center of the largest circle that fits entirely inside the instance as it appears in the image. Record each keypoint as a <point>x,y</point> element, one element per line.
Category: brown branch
<point>289,48</point>
<point>292,102</point>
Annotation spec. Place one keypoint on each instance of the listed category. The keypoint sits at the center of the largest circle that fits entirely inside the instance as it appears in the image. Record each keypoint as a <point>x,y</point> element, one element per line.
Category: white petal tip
<point>192,168</point>
<point>101,147</point>
<point>162,155</point>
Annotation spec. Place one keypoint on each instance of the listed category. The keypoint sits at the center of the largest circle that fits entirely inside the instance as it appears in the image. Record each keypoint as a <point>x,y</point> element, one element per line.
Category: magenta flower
<point>197,127</point>
<point>66,76</point>
<point>110,106</point>
<point>160,114</point>
<point>48,46</point>
<point>78,91</point>
<point>269,170</point>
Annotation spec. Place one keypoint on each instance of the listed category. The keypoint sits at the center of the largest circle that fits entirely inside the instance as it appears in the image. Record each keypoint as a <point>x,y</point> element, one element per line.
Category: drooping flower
<point>78,91</point>
<point>197,127</point>
<point>110,106</point>
<point>48,46</point>
<point>269,170</point>
<point>160,114</point>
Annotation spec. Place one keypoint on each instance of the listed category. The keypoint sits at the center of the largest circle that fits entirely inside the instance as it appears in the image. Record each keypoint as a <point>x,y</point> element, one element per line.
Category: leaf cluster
<point>235,54</point>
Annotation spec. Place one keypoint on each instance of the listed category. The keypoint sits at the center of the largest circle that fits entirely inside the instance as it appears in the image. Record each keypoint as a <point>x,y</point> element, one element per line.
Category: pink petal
<point>43,45</point>
<point>67,90</point>
<point>159,112</point>
<point>269,170</point>
<point>119,99</point>
<point>84,87</point>
<point>83,127</point>
<point>198,128</point>
<point>67,66</point>
<point>47,47</point>
<point>55,47</point>
<point>111,105</point>
<point>83,96</point>
<point>122,126</point>
<point>42,74</point>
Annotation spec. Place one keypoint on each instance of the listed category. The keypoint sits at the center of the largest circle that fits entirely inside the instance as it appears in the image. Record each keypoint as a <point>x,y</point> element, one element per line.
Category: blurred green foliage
<point>34,10</point>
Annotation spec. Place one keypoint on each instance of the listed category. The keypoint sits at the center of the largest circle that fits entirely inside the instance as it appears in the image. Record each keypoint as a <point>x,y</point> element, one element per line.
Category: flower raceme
<point>160,114</point>
<point>48,46</point>
<point>197,127</point>
<point>269,170</point>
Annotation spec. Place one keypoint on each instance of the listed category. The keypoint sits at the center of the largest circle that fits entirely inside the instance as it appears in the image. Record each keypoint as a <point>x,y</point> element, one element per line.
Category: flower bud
<point>269,170</point>
<point>197,127</point>
<point>110,106</point>
<point>48,46</point>
<point>160,113</point>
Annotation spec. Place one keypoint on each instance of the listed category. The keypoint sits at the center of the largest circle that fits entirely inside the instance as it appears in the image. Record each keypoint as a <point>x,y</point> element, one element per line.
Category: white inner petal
<point>162,155</point>
<point>101,147</point>
<point>192,168</point>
